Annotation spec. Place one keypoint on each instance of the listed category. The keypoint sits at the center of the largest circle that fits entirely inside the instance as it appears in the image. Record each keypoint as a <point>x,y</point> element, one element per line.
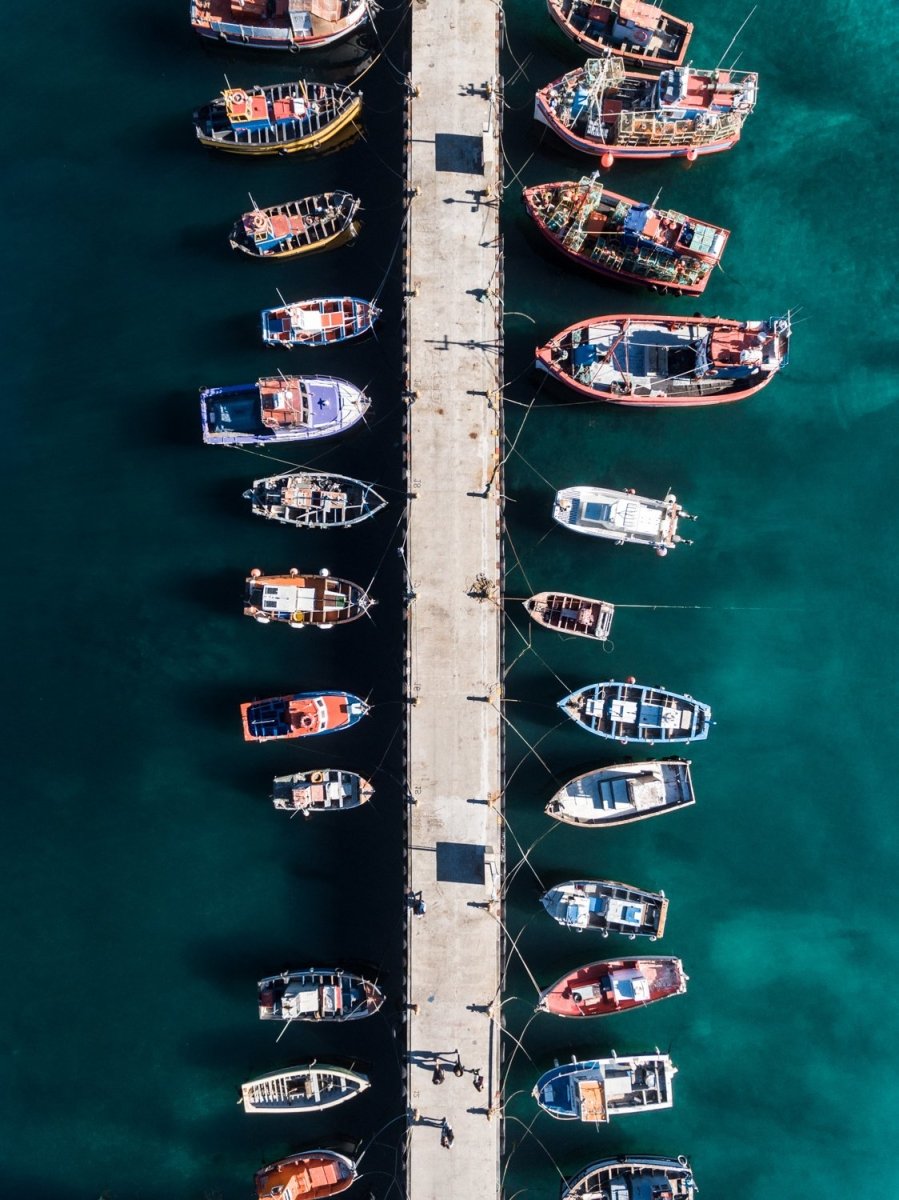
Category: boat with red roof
<point>627,239</point>
<point>283,118</point>
<point>630,29</point>
<point>646,361</point>
<point>278,24</point>
<point>280,408</point>
<point>604,109</point>
<point>614,985</point>
<point>304,226</point>
<point>312,1174</point>
<point>302,714</point>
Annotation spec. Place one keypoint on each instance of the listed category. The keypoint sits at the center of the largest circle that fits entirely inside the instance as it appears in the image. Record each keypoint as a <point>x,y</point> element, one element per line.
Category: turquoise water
<point>147,881</point>
<point>781,877</point>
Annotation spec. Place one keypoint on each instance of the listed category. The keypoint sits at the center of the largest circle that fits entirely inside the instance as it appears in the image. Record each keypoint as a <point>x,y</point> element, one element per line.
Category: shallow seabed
<point>780,616</point>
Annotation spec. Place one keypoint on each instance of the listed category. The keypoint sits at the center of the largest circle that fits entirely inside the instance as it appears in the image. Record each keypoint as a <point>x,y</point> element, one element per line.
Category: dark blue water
<point>147,881</point>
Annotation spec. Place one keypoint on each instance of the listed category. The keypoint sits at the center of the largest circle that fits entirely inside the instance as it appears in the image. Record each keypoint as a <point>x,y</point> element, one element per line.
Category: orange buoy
<point>607,159</point>
<point>692,154</point>
<point>631,679</point>
<point>255,573</point>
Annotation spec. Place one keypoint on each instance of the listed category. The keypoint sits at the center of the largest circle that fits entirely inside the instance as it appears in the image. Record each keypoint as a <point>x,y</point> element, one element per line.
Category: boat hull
<point>631,712</point>
<point>303,1089</point>
<point>302,600</point>
<point>611,153</point>
<point>311,501</point>
<point>593,1091</point>
<point>675,283</point>
<point>322,994</point>
<point>618,795</point>
<point>313,1174</point>
<point>309,142</point>
<point>303,714</point>
<point>284,408</point>
<point>653,1175</point>
<point>631,54</point>
<point>209,20</point>
<point>326,790</point>
<point>578,616</point>
<point>610,986</point>
<point>606,906</point>
<point>328,321</point>
<point>558,353</point>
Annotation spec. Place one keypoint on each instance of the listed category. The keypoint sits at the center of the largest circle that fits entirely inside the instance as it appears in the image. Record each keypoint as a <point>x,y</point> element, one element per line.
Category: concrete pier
<point>454,731</point>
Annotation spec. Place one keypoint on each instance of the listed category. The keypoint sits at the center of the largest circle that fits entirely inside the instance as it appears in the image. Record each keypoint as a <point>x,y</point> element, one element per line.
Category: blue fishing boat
<point>319,322</point>
<point>630,712</point>
<point>282,408</point>
<point>595,1090</point>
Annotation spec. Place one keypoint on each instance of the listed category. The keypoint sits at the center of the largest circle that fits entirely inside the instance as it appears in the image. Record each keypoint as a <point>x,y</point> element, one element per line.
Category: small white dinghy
<point>300,1089</point>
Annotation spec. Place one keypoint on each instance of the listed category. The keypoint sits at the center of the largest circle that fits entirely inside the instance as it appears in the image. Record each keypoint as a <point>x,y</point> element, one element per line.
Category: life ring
<point>259,220</point>
<point>640,36</point>
<point>238,97</point>
<point>295,48</point>
<point>316,777</point>
<point>307,721</point>
<point>298,617</point>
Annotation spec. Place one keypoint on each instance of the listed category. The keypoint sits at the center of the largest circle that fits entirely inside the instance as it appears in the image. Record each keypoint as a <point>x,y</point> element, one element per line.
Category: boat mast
<point>734,38</point>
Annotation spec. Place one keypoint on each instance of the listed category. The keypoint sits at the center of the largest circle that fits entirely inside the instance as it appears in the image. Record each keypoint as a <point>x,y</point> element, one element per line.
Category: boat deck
<point>454,745</point>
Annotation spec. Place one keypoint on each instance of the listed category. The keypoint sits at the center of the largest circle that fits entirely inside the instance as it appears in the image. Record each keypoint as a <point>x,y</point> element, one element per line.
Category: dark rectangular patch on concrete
<point>460,862</point>
<point>459,152</point>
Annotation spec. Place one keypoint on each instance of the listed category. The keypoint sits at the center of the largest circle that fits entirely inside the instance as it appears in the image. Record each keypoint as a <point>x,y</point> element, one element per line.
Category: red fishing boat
<point>631,29</point>
<point>312,1174</point>
<point>644,361</point>
<point>625,238</point>
<point>614,985</point>
<point>605,110</point>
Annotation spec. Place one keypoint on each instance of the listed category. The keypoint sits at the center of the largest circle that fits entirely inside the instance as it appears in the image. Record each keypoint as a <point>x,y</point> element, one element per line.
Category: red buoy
<point>607,159</point>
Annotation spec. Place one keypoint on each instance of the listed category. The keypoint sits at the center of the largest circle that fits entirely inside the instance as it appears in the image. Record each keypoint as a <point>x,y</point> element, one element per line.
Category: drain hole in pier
<point>460,862</point>
<point>459,152</point>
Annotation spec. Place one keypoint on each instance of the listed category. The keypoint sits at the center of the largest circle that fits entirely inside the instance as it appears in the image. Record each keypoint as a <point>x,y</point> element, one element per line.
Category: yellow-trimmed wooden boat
<point>297,227</point>
<point>284,118</point>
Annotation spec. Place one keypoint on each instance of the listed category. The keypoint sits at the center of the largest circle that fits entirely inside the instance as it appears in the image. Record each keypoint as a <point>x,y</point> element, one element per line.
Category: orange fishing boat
<point>303,714</point>
<point>312,1174</point>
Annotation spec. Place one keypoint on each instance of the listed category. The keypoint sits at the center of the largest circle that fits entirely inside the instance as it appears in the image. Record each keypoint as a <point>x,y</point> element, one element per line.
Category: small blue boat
<point>632,712</point>
<point>283,408</point>
<point>323,321</point>
<point>597,1089</point>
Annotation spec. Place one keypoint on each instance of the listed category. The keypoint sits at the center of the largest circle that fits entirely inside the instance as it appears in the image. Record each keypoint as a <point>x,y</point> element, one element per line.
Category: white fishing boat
<point>318,994</point>
<point>626,792</point>
<point>314,500</point>
<point>621,517</point>
<point>326,790</point>
<point>307,1088</point>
